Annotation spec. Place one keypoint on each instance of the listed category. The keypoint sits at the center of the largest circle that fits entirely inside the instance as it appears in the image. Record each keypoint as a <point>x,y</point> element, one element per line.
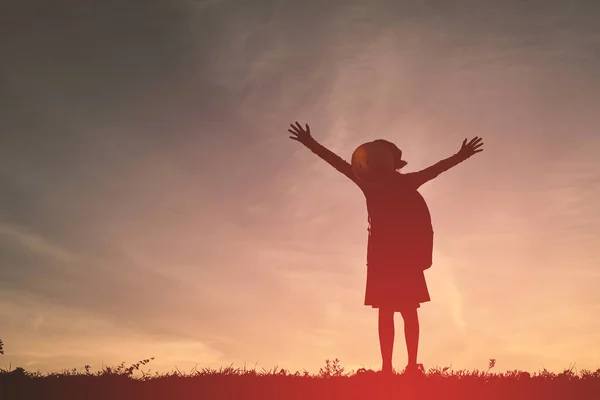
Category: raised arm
<point>467,150</point>
<point>303,136</point>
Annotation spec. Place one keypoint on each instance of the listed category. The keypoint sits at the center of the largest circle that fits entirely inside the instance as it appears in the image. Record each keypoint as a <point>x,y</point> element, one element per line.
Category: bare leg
<point>411,334</point>
<point>386,338</point>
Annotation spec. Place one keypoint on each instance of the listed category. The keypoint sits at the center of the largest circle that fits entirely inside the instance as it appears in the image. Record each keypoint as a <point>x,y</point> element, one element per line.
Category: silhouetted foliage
<point>331,382</point>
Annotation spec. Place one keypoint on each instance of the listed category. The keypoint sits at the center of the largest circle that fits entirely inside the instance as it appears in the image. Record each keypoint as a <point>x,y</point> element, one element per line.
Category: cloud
<point>61,335</point>
<point>149,188</point>
<point>37,244</point>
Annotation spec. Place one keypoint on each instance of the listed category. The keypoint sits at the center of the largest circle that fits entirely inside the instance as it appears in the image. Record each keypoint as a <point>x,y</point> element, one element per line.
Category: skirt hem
<point>398,307</point>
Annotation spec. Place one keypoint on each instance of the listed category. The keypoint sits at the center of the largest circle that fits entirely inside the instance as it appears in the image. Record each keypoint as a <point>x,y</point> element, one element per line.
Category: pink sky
<point>172,218</point>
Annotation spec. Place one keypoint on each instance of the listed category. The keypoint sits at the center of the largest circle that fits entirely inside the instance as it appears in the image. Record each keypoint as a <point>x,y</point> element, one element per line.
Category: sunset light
<point>153,204</point>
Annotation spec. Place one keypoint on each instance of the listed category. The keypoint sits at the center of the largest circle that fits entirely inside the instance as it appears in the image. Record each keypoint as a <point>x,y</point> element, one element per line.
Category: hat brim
<point>402,164</point>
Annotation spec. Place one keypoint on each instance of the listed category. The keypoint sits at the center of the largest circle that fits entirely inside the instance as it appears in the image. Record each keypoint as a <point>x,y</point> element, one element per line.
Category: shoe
<point>414,370</point>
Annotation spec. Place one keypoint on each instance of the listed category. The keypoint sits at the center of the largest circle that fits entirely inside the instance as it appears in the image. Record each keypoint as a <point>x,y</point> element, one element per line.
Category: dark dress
<point>400,244</point>
<point>400,241</point>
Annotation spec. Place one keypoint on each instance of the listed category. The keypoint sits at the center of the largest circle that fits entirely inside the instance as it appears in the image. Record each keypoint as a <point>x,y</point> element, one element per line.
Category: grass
<point>332,382</point>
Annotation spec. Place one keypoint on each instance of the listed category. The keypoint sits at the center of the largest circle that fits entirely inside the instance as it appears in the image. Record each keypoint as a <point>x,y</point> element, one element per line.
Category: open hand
<point>469,149</point>
<point>300,134</point>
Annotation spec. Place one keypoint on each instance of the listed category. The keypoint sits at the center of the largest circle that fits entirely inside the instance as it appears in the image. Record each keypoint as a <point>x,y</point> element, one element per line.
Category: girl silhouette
<point>400,241</point>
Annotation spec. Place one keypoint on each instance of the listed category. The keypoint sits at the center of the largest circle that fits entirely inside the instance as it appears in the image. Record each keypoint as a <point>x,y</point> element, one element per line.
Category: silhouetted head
<point>399,163</point>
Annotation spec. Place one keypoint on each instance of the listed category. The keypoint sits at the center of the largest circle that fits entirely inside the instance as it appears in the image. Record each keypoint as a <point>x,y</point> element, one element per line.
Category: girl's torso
<point>399,222</point>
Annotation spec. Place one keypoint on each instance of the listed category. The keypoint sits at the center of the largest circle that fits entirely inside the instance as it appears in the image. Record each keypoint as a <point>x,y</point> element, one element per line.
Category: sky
<point>153,206</point>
